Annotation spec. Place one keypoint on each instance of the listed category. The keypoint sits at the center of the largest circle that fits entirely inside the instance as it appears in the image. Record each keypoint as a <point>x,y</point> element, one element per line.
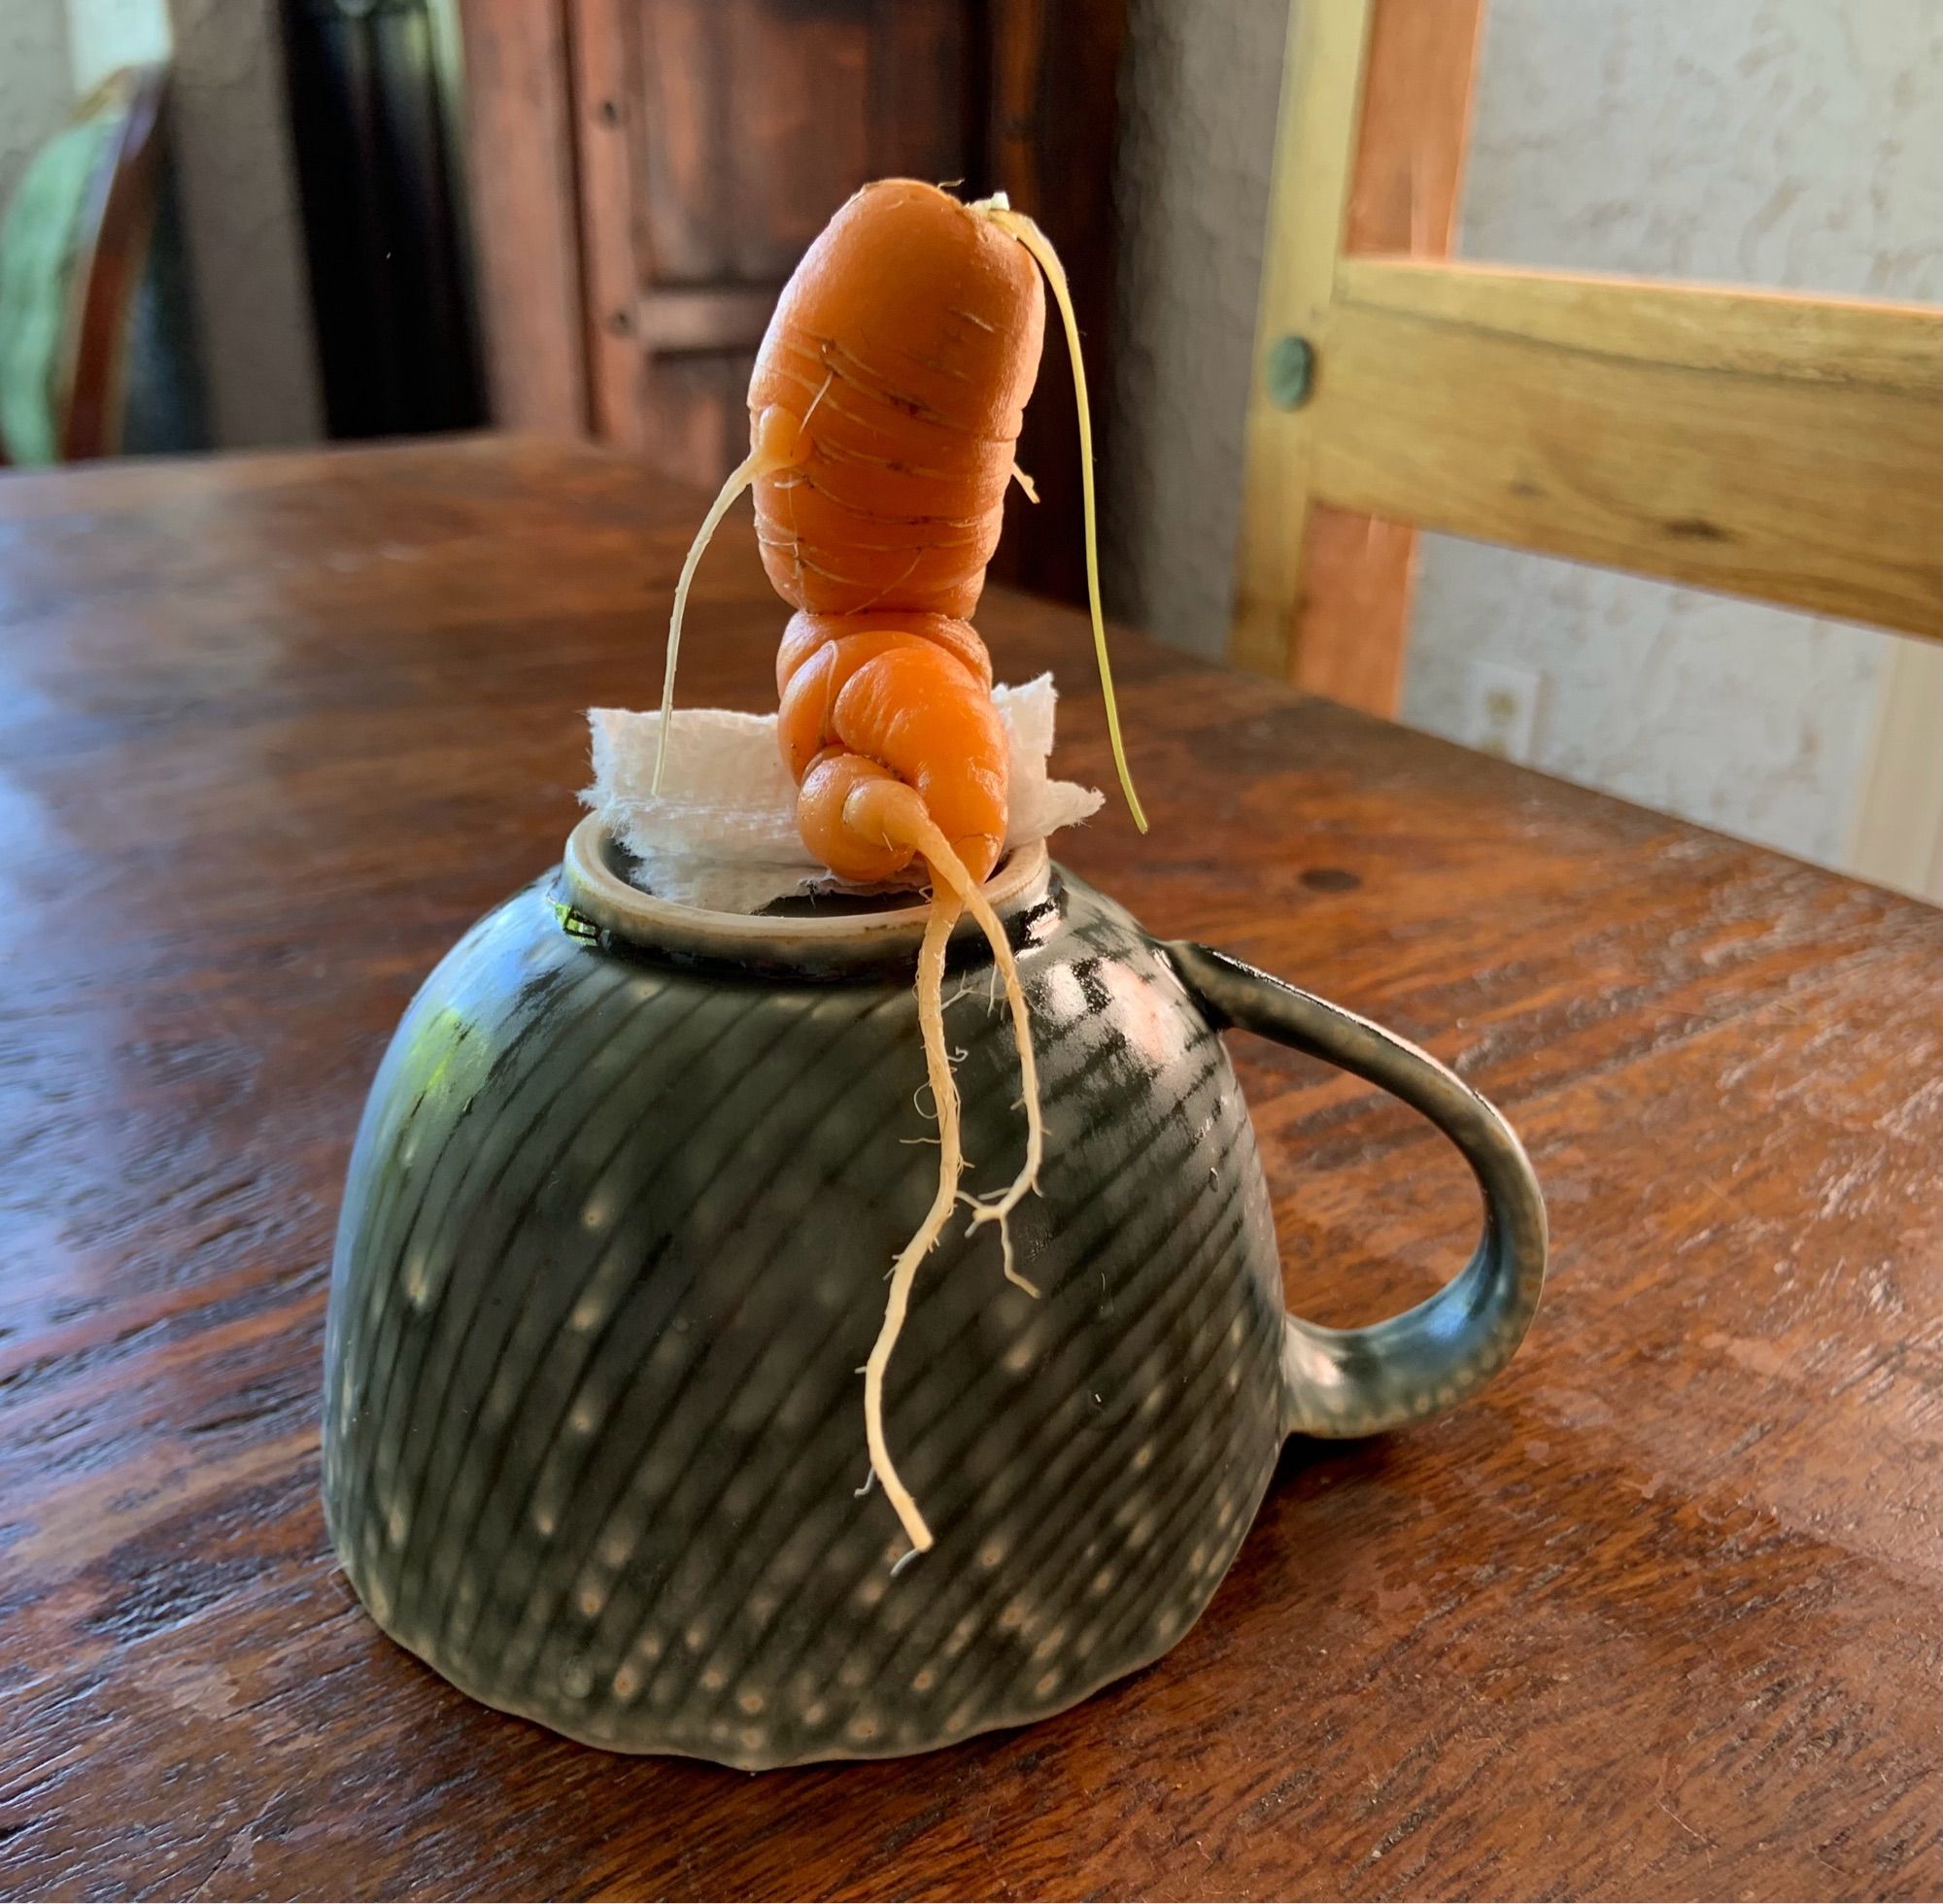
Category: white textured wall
<point>52,52</point>
<point>1198,95</point>
<point>106,34</point>
<point>1795,143</point>
<point>36,91</point>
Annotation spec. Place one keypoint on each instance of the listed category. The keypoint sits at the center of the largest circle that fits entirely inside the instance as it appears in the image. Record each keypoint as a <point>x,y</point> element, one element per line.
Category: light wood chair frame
<point>1767,445</point>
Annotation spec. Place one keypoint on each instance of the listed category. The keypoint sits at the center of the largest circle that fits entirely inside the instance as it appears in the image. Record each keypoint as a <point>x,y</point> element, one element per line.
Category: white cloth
<point>721,834</point>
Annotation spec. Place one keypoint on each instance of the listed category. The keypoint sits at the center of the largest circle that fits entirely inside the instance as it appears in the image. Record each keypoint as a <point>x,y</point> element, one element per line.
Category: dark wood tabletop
<point>1658,1615</point>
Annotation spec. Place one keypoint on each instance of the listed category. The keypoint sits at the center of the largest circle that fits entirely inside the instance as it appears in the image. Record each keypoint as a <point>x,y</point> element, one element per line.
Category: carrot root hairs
<point>891,810</point>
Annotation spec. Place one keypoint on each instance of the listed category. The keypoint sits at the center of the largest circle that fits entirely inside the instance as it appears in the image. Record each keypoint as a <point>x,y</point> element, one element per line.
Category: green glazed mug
<point>613,1249</point>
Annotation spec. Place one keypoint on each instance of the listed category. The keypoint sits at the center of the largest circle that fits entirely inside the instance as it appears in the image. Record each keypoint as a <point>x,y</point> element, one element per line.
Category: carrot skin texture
<point>887,400</point>
<point>806,634</point>
<point>912,707</point>
<point>906,346</point>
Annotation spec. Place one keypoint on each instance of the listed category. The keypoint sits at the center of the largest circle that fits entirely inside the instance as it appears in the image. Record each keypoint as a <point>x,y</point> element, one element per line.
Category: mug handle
<point>1362,1381</point>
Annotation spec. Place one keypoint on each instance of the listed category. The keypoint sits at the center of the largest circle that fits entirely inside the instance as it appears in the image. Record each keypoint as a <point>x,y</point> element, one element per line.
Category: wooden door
<point>646,174</point>
<point>723,134</point>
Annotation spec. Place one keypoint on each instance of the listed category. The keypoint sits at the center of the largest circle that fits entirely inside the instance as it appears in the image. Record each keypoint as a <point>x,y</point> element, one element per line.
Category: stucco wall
<point>104,34</point>
<point>237,181</point>
<point>36,90</point>
<point>1198,94</point>
<point>1774,142</point>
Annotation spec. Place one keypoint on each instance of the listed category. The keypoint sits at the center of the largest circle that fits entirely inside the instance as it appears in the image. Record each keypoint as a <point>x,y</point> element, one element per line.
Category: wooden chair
<point>1759,444</point>
<point>73,252</point>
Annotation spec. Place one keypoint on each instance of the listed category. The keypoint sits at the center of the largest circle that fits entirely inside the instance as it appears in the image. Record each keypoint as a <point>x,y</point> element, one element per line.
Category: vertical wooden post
<point>1050,118</point>
<point>525,224</point>
<point>603,92</point>
<point>1309,193</point>
<point>1369,158</point>
<point>1896,835</point>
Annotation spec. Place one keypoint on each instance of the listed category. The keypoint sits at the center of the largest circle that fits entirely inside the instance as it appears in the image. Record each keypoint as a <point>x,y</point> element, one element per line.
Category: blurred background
<point>343,218</point>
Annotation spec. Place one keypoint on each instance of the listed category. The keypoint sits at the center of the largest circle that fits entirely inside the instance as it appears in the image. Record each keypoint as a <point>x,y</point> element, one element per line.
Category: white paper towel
<point>722,832</point>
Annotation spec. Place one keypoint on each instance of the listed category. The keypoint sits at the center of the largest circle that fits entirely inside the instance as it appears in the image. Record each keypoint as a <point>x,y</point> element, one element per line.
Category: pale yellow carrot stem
<point>1047,259</point>
<point>756,464</point>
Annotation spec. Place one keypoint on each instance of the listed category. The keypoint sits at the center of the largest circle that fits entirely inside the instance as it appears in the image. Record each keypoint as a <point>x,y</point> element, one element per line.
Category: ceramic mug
<point>613,1249</point>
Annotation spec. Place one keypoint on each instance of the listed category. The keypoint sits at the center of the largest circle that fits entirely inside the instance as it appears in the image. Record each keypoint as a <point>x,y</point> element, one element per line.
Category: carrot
<point>884,411</point>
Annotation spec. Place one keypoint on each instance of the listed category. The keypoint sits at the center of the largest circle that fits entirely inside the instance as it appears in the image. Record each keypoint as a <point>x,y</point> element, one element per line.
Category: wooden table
<point>1657,1616</point>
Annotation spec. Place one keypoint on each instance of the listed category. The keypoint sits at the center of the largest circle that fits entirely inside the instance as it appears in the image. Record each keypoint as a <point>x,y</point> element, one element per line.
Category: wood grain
<point>1351,625</point>
<point>1051,124</point>
<point>1761,444</point>
<point>716,138</point>
<point>603,61</point>
<point>667,162</point>
<point>1764,445</point>
<point>1309,194</point>
<point>1658,1615</point>
<point>1414,128</point>
<point>1347,635</point>
<point>520,188</point>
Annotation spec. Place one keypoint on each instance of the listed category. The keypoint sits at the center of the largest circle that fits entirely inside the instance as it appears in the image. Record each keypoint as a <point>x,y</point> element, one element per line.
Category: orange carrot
<point>885,413</point>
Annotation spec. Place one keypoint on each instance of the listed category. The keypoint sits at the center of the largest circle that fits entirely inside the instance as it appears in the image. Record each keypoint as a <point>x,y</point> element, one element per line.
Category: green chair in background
<point>96,355</point>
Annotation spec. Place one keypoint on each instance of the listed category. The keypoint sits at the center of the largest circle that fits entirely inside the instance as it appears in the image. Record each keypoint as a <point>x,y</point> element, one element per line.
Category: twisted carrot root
<point>880,808</point>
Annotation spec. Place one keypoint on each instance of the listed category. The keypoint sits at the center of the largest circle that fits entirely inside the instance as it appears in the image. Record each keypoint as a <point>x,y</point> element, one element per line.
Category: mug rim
<point>597,891</point>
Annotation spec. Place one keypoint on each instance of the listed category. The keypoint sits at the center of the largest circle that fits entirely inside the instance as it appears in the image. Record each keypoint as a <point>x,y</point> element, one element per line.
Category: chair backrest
<point>73,250</point>
<point>1759,444</point>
